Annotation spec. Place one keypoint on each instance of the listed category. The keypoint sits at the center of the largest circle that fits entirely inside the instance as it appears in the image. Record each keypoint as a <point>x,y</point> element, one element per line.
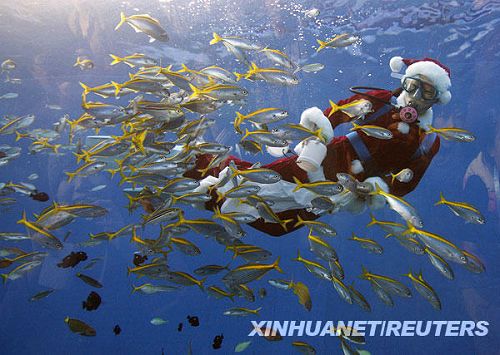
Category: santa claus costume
<point>364,157</point>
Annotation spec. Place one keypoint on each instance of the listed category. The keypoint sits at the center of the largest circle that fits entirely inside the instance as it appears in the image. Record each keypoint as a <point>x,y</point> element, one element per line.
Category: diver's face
<point>420,93</point>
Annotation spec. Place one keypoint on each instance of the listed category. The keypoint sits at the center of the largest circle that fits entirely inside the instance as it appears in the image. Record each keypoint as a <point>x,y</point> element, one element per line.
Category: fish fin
<point>123,19</point>
<point>216,39</point>
<point>441,201</point>
<point>276,265</point>
<point>238,121</point>
<point>322,44</point>
<point>116,59</point>
<point>19,136</point>
<point>71,176</point>
<point>334,107</point>
<point>117,86</point>
<point>298,183</point>
<point>200,285</point>
<point>300,221</point>
<point>373,220</point>
<point>239,76</point>
<point>85,88</point>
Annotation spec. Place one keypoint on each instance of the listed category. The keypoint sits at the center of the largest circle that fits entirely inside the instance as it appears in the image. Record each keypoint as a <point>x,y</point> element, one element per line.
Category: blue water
<point>45,37</point>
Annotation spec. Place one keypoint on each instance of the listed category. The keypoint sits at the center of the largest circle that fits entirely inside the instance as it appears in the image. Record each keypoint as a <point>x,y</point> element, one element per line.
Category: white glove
<point>311,153</point>
<point>313,119</point>
<point>376,202</point>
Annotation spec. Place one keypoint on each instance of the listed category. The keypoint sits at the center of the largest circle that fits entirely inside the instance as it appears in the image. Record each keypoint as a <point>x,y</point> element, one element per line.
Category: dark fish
<point>179,327</point>
<point>117,330</point>
<point>40,196</point>
<point>41,295</point>
<point>79,327</point>
<point>139,259</point>
<point>217,343</point>
<point>2,154</point>
<point>194,321</point>
<point>262,292</point>
<point>89,280</point>
<point>93,301</point>
<point>73,259</point>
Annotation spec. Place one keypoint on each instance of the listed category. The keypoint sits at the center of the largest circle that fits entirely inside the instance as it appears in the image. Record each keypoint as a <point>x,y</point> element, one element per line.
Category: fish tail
<point>276,266</point>
<point>71,176</point>
<point>77,62</point>
<point>200,282</point>
<point>393,178</point>
<point>117,86</point>
<point>196,92</point>
<point>123,19</point>
<point>257,310</point>
<point>79,156</point>
<point>334,108</point>
<point>373,220</point>
<point>283,223</point>
<point>298,183</point>
<point>298,258</point>
<point>238,121</point>
<point>85,88</point>
<point>4,277</point>
<point>116,59</point>
<point>134,289</point>
<point>322,44</point>
<point>129,270</point>
<point>19,136</point>
<point>220,197</point>
<point>55,148</point>
<point>112,171</point>
<point>216,39</point>
<point>441,201</point>
<point>247,133</point>
<point>300,221</point>
<point>239,76</point>
<point>184,69</point>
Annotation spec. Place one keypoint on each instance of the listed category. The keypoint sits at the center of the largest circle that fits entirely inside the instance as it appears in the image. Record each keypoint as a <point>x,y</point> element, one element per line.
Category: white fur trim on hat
<point>437,75</point>
<point>403,127</point>
<point>396,64</point>
<point>356,167</point>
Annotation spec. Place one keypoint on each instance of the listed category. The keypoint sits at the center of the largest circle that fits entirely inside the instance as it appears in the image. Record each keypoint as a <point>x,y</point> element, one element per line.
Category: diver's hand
<point>311,152</point>
<point>314,119</point>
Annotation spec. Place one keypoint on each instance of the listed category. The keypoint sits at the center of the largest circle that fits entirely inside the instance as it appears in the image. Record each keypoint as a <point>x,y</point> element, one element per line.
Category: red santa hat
<point>435,71</point>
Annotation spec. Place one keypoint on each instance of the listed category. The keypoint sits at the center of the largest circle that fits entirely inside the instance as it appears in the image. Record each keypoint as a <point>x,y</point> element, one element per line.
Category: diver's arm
<point>418,166</point>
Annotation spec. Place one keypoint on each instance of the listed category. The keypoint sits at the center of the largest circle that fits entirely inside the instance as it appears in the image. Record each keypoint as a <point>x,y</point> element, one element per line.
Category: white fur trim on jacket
<point>313,119</point>
<point>403,127</point>
<point>356,167</point>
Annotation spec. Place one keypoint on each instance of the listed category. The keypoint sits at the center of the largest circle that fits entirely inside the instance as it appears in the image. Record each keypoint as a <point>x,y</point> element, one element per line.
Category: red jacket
<point>388,156</point>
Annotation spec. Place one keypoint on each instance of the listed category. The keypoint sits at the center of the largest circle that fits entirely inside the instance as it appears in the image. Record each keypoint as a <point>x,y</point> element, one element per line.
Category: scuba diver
<point>391,135</point>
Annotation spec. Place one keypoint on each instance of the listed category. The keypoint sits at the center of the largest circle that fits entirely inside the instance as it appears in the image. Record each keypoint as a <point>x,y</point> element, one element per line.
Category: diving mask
<point>420,89</point>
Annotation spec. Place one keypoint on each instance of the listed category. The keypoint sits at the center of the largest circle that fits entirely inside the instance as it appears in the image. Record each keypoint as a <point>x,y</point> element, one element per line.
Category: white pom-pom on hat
<point>445,97</point>
<point>396,64</point>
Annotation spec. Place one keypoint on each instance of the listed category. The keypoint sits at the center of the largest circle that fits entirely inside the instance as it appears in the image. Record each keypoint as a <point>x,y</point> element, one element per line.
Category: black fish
<point>217,341</point>
<point>139,259</point>
<point>117,330</point>
<point>93,301</point>
<point>179,327</point>
<point>73,259</point>
<point>39,196</point>
<point>194,321</point>
<point>89,280</point>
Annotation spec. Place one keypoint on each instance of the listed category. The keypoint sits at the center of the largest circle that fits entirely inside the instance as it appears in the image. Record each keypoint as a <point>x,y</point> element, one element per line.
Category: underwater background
<point>44,38</point>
